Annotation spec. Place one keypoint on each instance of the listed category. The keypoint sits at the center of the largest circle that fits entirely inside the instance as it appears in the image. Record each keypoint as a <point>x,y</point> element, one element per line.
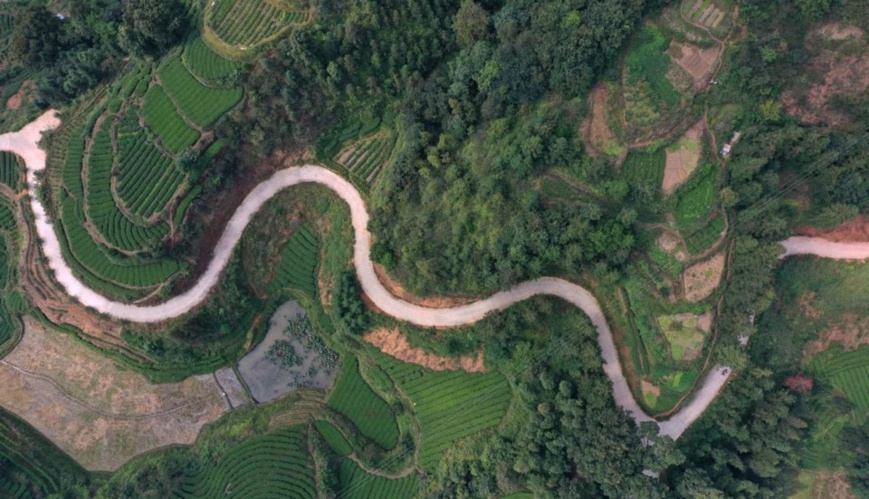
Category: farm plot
<point>118,230</point>
<point>353,398</point>
<point>147,178</point>
<point>682,159</point>
<point>356,483</point>
<point>709,15</point>
<point>334,438</point>
<point>206,63</point>
<point>848,371</point>
<point>686,334</point>
<point>247,23</point>
<point>98,413</point>
<point>644,169</point>
<point>162,118</point>
<point>10,170</point>
<point>273,465</point>
<point>695,202</point>
<point>7,216</point>
<point>366,157</point>
<point>701,240</point>
<point>200,104</point>
<point>120,276</point>
<point>298,266</point>
<point>448,404</point>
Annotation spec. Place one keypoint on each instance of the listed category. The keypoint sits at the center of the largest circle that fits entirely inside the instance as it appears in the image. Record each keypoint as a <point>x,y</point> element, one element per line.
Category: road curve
<point>25,144</point>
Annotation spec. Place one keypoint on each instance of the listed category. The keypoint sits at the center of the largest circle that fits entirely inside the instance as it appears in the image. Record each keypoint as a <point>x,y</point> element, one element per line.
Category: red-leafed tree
<point>799,384</point>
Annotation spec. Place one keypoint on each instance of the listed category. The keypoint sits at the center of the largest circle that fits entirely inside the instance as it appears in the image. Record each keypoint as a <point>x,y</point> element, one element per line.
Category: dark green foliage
<point>36,37</point>
<point>647,60</point>
<point>351,311</point>
<point>152,26</point>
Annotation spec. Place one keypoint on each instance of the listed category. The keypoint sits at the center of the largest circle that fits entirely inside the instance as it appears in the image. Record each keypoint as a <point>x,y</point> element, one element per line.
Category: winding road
<point>25,144</point>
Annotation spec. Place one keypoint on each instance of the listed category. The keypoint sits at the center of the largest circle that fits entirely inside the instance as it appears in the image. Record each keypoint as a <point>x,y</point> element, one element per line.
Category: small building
<point>725,151</point>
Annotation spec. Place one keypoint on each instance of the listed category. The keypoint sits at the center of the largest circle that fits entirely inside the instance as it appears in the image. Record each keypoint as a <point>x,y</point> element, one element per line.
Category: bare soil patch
<point>835,73</point>
<point>14,102</point>
<point>701,279</point>
<point>395,344</point>
<point>832,485</point>
<point>668,241</point>
<point>855,231</point>
<point>100,415</point>
<point>682,159</point>
<point>596,131</point>
<point>700,63</point>
<point>850,331</point>
<point>432,302</point>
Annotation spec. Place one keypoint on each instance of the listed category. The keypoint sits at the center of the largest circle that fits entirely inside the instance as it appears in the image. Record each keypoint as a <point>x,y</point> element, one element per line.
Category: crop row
<point>7,216</point>
<point>855,384</point>
<point>12,457</point>
<point>371,414</point>
<point>160,115</point>
<point>247,22</point>
<point>274,465</point>
<point>367,157</point>
<point>298,266</point>
<point>356,483</point>
<point>206,63</point>
<point>333,436</point>
<point>450,405</point>
<point>10,170</point>
<point>73,152</point>
<point>116,272</point>
<point>147,179</point>
<point>116,228</point>
<point>200,104</point>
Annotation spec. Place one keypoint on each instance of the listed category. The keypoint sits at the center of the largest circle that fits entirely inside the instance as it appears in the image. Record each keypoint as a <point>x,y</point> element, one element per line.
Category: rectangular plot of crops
<point>10,170</point>
<point>298,266</point>
<point>200,104</point>
<point>205,63</point>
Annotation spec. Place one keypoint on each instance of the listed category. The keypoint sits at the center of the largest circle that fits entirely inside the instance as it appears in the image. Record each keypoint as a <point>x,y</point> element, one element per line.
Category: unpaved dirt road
<point>25,144</point>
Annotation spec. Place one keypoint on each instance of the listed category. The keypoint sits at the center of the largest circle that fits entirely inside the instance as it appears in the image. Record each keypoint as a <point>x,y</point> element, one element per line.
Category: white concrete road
<point>25,144</point>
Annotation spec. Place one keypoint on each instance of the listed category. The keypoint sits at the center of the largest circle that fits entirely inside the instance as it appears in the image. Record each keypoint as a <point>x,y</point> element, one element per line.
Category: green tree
<point>36,40</point>
<point>471,23</point>
<point>152,26</point>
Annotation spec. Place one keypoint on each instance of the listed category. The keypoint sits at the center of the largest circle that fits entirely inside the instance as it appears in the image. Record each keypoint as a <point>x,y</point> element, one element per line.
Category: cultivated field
<point>353,398</point>
<point>100,415</point>
<point>272,465</point>
<point>447,404</point>
<point>11,170</point>
<point>297,268</point>
<point>701,279</point>
<point>200,104</point>
<point>682,159</point>
<point>356,483</point>
<point>234,27</point>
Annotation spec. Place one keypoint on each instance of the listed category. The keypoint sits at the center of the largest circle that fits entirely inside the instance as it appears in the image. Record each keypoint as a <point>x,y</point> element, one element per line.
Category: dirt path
<point>25,144</point>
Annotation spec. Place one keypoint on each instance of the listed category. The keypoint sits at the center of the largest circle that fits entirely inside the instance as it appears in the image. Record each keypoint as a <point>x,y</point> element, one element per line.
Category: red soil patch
<point>855,231</point>
<point>16,100</point>
<point>395,344</point>
<point>432,302</point>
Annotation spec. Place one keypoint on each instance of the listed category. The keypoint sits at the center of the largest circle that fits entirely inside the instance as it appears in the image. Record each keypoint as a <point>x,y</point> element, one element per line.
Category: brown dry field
<point>698,62</point>
<point>832,485</point>
<point>596,132</point>
<point>850,331</point>
<point>701,279</point>
<point>395,344</point>
<point>100,415</point>
<point>682,162</point>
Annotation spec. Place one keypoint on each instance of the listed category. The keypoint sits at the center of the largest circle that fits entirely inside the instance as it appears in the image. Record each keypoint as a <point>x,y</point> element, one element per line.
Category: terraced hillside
<point>234,27</point>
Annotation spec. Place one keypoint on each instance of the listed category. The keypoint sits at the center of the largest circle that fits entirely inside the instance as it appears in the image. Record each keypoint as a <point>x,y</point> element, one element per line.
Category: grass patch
<point>696,201</point>
<point>646,60</point>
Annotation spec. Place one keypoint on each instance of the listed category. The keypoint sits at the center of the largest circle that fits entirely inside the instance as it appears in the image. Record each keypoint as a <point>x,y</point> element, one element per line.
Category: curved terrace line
<point>25,144</point>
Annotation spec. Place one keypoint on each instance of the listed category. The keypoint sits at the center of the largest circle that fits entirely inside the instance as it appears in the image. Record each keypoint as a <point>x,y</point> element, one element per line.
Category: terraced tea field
<point>448,404</point>
<point>334,438</point>
<point>202,105</point>
<point>356,483</point>
<point>273,465</point>
<point>353,398</point>
<point>367,157</point>
<point>160,115</point>
<point>244,24</point>
<point>206,63</point>
<point>11,170</point>
<point>298,266</point>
